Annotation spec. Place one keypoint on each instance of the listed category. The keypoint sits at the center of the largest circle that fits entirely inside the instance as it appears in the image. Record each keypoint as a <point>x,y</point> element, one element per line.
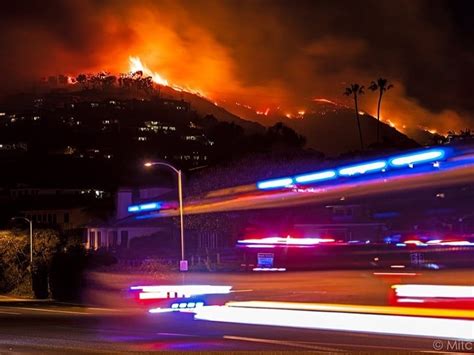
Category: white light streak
<point>432,291</point>
<point>354,322</point>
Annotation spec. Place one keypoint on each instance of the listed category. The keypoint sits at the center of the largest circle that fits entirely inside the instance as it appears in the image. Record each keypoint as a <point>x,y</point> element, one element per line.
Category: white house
<point>125,226</point>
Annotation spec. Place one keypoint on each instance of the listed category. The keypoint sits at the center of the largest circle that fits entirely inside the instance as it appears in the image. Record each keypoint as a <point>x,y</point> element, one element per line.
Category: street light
<point>31,238</point>
<point>183,264</point>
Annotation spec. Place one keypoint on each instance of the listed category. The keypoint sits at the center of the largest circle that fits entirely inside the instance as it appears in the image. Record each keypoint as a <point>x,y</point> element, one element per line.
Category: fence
<point>200,262</point>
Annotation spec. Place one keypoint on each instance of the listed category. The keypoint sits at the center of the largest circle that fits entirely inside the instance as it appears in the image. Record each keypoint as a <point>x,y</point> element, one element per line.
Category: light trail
<point>443,291</point>
<point>175,291</point>
<point>341,321</point>
<point>458,169</point>
<point>351,308</point>
<point>421,157</point>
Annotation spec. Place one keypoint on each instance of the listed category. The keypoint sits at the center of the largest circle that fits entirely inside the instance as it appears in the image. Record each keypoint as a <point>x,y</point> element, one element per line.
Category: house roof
<point>132,222</point>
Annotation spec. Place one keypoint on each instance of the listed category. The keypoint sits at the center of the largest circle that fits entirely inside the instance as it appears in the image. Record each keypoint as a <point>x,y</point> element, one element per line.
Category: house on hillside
<point>123,230</point>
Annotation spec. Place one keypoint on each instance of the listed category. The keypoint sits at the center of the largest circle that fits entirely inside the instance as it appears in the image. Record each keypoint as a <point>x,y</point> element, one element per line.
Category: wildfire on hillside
<point>325,101</point>
<point>264,113</point>
<point>270,62</point>
<point>136,65</point>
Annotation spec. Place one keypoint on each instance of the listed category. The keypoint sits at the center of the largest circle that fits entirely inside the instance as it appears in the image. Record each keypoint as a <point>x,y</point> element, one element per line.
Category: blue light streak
<point>146,216</point>
<point>419,157</point>
<point>150,206</point>
<point>272,184</point>
<point>363,168</point>
<point>319,176</point>
<point>433,156</point>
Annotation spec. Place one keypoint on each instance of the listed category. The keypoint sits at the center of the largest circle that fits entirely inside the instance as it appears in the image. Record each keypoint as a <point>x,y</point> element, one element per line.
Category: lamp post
<point>31,238</point>
<point>183,264</point>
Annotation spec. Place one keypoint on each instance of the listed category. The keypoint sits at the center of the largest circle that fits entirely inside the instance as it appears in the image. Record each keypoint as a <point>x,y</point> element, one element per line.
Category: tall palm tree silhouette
<point>381,85</point>
<point>356,90</point>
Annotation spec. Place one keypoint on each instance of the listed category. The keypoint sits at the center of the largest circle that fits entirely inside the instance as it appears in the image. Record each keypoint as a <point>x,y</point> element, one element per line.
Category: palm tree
<point>381,85</point>
<point>356,90</point>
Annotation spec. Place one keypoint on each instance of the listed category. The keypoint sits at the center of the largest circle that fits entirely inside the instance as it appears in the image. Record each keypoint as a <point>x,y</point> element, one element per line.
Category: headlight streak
<point>354,322</point>
<point>410,300</point>
<point>434,291</point>
<point>458,243</point>
<point>178,291</point>
<point>353,308</point>
<point>191,289</point>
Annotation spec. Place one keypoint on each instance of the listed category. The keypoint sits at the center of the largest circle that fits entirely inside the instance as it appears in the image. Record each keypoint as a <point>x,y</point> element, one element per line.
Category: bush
<point>14,261</point>
<point>66,273</point>
<point>58,264</point>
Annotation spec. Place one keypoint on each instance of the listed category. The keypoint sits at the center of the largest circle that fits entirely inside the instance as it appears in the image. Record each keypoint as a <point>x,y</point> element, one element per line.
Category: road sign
<point>183,265</point>
<point>265,260</point>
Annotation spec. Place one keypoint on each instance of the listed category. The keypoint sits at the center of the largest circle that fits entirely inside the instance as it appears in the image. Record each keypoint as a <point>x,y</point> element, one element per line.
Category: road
<point>369,287</point>
<point>49,327</point>
<point>116,325</point>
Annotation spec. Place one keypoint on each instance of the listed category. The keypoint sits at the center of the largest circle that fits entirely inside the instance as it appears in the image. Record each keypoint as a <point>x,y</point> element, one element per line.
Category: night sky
<point>264,53</point>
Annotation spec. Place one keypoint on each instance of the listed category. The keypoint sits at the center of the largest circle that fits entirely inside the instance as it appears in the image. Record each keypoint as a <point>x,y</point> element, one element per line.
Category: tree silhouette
<point>147,84</point>
<point>381,85</point>
<point>82,80</point>
<point>109,81</point>
<point>283,136</point>
<point>355,90</point>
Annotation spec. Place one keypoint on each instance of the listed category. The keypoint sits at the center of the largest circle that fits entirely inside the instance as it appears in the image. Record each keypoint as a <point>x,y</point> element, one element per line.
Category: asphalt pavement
<point>115,324</point>
<point>46,327</point>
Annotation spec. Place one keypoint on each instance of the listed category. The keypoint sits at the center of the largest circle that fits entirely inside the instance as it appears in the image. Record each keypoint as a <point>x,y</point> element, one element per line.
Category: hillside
<point>331,128</point>
<point>327,126</point>
<point>205,107</point>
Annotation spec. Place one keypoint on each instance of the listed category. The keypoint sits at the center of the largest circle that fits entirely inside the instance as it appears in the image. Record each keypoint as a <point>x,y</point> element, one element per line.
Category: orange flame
<point>137,65</point>
<point>325,101</point>
<point>71,80</point>
<point>264,113</point>
<point>391,124</point>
